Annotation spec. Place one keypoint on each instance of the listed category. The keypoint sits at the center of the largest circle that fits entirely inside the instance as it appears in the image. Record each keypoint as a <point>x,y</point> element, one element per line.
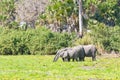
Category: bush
<point>39,41</point>
<point>84,41</point>
<point>108,37</point>
<point>104,37</point>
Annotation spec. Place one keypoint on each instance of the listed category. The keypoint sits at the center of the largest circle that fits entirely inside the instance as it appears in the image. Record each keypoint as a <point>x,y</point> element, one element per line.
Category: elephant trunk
<point>56,57</point>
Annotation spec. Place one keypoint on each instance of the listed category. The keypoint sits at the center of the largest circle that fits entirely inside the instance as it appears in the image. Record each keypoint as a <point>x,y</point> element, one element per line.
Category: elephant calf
<point>61,53</point>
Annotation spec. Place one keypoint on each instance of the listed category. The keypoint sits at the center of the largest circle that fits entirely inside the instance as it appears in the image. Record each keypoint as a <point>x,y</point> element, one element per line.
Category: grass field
<point>42,68</point>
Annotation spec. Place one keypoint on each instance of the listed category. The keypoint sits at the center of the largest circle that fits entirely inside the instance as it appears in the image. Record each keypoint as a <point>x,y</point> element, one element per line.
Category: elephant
<point>74,53</point>
<point>90,51</point>
<point>62,53</point>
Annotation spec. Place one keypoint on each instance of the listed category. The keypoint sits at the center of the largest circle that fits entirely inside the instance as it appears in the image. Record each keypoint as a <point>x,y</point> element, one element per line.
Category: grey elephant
<point>90,51</point>
<point>75,53</point>
<point>61,53</point>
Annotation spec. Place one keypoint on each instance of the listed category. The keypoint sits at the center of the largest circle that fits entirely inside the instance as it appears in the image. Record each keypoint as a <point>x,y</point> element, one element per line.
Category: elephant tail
<point>56,57</point>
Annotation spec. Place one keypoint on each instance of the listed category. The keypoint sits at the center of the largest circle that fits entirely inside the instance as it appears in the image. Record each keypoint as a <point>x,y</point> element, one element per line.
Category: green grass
<point>42,68</point>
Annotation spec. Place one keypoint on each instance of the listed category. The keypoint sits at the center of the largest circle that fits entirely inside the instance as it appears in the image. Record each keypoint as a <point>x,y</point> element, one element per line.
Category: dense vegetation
<point>40,41</point>
<point>101,17</point>
<point>104,11</point>
<point>104,37</point>
<point>43,41</point>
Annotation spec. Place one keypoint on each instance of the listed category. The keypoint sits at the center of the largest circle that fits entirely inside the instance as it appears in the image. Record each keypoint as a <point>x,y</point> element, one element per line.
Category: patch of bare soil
<point>111,55</point>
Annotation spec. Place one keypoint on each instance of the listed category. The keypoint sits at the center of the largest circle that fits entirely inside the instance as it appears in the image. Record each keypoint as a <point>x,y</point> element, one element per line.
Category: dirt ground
<point>111,55</point>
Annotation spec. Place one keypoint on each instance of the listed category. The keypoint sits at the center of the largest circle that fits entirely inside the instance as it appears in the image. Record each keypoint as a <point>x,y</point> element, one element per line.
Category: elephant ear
<point>61,54</point>
<point>65,54</point>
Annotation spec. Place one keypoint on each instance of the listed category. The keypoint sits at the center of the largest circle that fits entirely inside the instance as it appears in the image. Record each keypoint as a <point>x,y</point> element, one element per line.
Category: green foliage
<point>109,37</point>
<point>104,37</point>
<point>7,13</point>
<point>105,11</point>
<point>39,41</point>
<point>59,11</point>
<point>84,41</point>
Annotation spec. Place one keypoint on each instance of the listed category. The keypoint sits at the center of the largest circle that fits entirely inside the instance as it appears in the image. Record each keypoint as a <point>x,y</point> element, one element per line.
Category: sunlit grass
<point>42,68</point>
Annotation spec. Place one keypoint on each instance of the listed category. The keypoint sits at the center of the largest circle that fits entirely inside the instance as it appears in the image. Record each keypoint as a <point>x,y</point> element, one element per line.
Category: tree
<point>29,10</point>
<point>7,13</point>
<point>80,19</point>
<point>62,14</point>
<point>104,11</point>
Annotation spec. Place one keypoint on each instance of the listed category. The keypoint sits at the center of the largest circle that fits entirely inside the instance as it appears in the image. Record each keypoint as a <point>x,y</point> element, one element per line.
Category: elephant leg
<point>77,59</point>
<point>68,59</point>
<point>84,59</point>
<point>81,59</point>
<point>63,59</point>
<point>93,58</point>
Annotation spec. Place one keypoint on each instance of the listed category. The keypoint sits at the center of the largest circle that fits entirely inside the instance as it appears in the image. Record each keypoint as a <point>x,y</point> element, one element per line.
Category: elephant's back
<point>79,50</point>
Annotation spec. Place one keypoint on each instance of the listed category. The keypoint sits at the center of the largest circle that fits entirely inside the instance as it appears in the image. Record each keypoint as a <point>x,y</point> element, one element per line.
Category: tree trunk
<point>80,19</point>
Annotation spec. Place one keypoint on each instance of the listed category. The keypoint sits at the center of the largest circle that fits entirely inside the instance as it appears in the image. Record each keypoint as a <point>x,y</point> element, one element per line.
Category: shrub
<point>39,41</point>
<point>84,41</point>
<point>108,37</point>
